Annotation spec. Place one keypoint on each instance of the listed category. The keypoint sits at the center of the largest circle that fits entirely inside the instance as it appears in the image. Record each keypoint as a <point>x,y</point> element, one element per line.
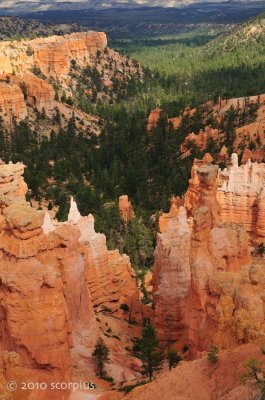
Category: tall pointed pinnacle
<point>234,160</point>
<point>47,224</point>
<point>86,227</point>
<point>74,215</point>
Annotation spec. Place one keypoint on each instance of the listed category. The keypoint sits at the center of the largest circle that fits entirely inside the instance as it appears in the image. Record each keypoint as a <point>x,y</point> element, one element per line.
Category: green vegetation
<point>254,372</point>
<point>123,159</point>
<point>232,65</point>
<point>213,354</point>
<point>37,71</point>
<point>101,357</point>
<point>125,307</point>
<point>148,351</point>
<point>173,358</point>
<point>128,388</point>
<point>260,249</point>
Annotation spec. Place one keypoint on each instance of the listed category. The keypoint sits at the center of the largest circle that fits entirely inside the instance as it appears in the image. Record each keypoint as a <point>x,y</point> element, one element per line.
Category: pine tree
<point>101,357</point>
<point>149,352</point>
<point>173,358</point>
<point>138,243</point>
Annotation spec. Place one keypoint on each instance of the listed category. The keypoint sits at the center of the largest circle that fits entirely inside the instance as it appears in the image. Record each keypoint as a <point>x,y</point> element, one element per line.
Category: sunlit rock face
<point>54,277</point>
<point>52,55</point>
<point>220,297</point>
<point>126,209</point>
<point>171,277</point>
<point>29,68</point>
<point>241,188</point>
<point>12,103</point>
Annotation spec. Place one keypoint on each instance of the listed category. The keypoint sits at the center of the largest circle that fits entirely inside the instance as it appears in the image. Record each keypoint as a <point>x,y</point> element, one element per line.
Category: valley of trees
<point>201,66</point>
<point>125,159</point>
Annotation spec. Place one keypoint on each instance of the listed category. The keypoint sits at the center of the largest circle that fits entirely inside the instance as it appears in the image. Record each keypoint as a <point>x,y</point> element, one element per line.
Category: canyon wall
<point>58,76</point>
<point>52,55</point>
<point>209,274</point>
<point>30,69</point>
<point>54,279</point>
<point>12,103</point>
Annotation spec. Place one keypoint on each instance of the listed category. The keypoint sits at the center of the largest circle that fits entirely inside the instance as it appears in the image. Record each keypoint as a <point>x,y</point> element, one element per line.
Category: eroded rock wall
<point>223,301</point>
<point>54,278</point>
<point>171,277</point>
<point>52,55</point>
<point>12,104</point>
<point>30,70</point>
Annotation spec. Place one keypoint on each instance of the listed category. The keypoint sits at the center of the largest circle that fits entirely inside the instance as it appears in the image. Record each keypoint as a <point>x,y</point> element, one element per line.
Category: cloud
<point>35,5</point>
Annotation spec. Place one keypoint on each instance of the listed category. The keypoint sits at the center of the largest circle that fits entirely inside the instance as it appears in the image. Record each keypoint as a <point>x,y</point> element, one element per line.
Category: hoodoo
<point>54,279</point>
<point>208,280</point>
<point>126,209</point>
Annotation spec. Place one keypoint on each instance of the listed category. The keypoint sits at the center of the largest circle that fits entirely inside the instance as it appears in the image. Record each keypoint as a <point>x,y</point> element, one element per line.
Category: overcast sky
<point>48,4</point>
<point>31,5</point>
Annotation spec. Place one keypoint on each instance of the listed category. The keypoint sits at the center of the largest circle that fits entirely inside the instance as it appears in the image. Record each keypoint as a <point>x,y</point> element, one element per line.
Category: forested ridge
<point>230,65</point>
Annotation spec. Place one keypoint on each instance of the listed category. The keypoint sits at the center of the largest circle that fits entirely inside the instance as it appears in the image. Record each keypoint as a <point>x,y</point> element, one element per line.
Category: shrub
<point>185,348</point>
<point>255,374</point>
<point>108,379</point>
<point>37,71</point>
<point>129,388</point>
<point>29,51</point>
<point>213,354</point>
<point>116,337</point>
<point>261,249</point>
<point>124,307</point>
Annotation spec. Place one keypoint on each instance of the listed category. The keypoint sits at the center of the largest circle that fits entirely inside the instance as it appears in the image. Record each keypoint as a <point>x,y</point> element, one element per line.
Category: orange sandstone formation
<point>54,278</point>
<point>173,212</point>
<point>11,371</point>
<point>21,89</point>
<point>42,74</point>
<point>153,119</point>
<point>18,93</point>
<point>175,122</point>
<point>239,193</point>
<point>171,277</point>
<point>155,116</point>
<point>256,155</point>
<point>223,154</point>
<point>200,140</point>
<point>12,104</point>
<point>126,209</point>
<point>209,280</point>
<point>38,93</point>
<point>52,55</point>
